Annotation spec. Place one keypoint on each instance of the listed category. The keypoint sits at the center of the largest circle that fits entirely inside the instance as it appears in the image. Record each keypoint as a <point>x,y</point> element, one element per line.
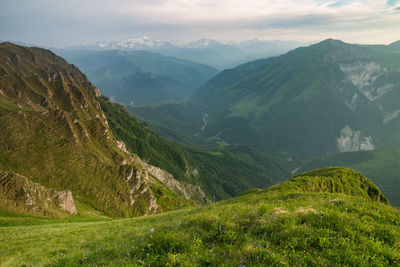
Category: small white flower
<point>151,230</point>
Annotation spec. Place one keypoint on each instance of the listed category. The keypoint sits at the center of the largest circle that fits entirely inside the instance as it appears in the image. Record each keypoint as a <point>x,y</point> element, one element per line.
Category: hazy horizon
<point>62,24</point>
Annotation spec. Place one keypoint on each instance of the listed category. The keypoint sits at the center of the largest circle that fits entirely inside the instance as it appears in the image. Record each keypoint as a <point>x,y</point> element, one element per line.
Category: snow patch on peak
<point>204,43</point>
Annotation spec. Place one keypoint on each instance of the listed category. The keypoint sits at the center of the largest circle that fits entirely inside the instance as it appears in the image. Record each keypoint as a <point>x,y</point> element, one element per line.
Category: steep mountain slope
<point>139,77</point>
<point>315,100</point>
<point>221,173</point>
<point>327,217</point>
<point>178,121</point>
<point>54,133</point>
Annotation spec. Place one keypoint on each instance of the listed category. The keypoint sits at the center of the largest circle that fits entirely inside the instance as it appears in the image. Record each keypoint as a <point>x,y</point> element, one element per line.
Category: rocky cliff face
<point>185,190</point>
<point>364,75</point>
<point>54,131</point>
<point>20,194</point>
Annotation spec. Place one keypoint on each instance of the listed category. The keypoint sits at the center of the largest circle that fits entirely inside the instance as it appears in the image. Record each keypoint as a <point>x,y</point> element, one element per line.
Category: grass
<point>381,166</point>
<point>72,242</point>
<point>277,226</point>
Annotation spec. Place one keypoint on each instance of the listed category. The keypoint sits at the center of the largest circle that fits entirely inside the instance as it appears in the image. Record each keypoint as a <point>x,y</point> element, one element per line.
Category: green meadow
<point>327,217</point>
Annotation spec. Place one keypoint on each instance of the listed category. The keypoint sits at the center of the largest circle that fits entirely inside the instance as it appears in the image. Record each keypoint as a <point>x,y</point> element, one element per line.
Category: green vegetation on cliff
<point>221,173</point>
<point>54,133</point>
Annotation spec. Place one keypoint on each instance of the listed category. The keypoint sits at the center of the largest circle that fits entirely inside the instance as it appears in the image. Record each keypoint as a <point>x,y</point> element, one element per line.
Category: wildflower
<point>152,230</point>
<point>224,253</point>
<point>268,252</point>
<point>259,246</point>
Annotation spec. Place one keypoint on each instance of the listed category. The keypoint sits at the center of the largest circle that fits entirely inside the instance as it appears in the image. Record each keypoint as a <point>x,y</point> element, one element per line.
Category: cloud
<point>70,22</point>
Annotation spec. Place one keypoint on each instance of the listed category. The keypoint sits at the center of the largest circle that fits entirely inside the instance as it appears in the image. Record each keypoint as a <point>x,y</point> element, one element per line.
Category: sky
<point>55,23</point>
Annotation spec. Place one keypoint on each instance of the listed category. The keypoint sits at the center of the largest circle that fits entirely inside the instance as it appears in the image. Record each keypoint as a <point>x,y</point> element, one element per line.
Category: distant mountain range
<point>139,77</point>
<point>207,51</point>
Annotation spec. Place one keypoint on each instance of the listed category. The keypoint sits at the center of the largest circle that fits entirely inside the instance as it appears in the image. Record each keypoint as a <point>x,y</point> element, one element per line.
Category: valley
<point>280,107</point>
<point>247,167</point>
<point>139,77</point>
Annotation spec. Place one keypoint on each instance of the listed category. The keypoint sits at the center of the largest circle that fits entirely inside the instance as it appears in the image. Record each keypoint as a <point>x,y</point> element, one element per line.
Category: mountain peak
<point>332,42</point>
<point>7,44</point>
<point>337,180</point>
<point>395,44</point>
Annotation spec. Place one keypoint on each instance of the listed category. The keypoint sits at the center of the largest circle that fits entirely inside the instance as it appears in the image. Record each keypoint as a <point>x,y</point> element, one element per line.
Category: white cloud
<point>373,21</point>
<point>179,11</point>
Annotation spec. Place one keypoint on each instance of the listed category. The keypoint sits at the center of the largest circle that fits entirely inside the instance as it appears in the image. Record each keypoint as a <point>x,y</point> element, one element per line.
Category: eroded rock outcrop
<point>185,190</point>
<point>141,196</point>
<point>20,194</point>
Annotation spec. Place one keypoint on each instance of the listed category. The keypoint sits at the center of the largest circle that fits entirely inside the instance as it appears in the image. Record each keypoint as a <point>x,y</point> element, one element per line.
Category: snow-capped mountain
<point>219,54</point>
<point>145,43</point>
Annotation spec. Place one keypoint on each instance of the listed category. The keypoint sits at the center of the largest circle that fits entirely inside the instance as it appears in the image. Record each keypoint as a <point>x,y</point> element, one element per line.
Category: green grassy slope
<point>381,165</point>
<point>178,121</point>
<point>146,144</point>
<point>297,104</point>
<point>226,172</point>
<point>221,173</point>
<point>53,131</point>
<point>296,223</point>
<point>390,54</point>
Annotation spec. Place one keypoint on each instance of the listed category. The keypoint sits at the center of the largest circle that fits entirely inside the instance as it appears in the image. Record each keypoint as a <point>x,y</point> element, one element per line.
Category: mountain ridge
<point>55,133</point>
<point>218,54</point>
<point>331,72</point>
